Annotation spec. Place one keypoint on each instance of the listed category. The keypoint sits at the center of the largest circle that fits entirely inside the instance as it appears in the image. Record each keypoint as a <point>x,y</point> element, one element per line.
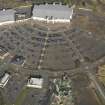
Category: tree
<point>101,74</point>
<point>69,2</point>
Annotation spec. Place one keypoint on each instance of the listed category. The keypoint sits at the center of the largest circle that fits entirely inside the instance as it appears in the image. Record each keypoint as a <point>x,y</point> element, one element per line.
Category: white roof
<point>56,11</point>
<point>35,82</point>
<point>4,80</point>
<point>7,15</point>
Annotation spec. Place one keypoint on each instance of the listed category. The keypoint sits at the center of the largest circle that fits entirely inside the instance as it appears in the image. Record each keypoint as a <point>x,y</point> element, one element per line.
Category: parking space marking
<point>43,51</point>
<point>39,67</point>
<point>42,55</point>
<point>41,61</point>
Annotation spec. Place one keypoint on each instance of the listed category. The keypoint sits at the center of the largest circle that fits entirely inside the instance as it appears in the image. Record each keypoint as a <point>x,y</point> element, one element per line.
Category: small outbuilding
<point>35,82</point>
<point>4,80</point>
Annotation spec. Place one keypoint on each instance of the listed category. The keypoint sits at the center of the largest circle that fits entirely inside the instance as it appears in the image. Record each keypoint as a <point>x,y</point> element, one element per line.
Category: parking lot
<point>60,53</point>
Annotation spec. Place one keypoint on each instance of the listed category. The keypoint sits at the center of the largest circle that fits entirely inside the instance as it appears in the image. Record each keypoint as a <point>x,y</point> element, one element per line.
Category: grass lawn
<point>22,96</point>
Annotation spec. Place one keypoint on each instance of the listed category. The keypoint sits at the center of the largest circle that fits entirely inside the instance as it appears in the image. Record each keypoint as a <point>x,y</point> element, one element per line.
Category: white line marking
<point>44,49</point>
<point>42,55</point>
<point>39,67</point>
<point>46,38</point>
<point>41,61</point>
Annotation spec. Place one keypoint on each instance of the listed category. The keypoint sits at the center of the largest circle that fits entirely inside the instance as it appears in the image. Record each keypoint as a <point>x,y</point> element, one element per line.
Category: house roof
<point>57,11</point>
<point>7,15</point>
<point>4,79</point>
<point>35,82</point>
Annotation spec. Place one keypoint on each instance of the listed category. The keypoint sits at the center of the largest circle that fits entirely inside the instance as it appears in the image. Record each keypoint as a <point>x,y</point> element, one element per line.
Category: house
<point>4,80</point>
<point>52,13</point>
<point>35,82</point>
<point>7,16</point>
<point>3,52</point>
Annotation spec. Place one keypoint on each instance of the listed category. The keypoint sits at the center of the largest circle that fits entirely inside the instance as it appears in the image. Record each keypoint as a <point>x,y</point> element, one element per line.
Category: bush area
<point>95,5</point>
<point>101,74</point>
<point>14,3</point>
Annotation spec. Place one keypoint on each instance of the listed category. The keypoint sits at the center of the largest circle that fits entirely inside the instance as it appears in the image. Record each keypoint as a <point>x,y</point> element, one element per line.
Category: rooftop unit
<point>49,12</point>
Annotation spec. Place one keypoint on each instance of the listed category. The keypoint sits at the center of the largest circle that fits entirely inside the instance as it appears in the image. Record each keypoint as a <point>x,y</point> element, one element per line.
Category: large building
<point>52,13</point>
<point>46,12</point>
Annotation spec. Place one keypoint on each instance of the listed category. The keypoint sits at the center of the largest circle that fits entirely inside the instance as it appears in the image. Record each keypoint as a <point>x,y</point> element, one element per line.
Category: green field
<point>22,96</point>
